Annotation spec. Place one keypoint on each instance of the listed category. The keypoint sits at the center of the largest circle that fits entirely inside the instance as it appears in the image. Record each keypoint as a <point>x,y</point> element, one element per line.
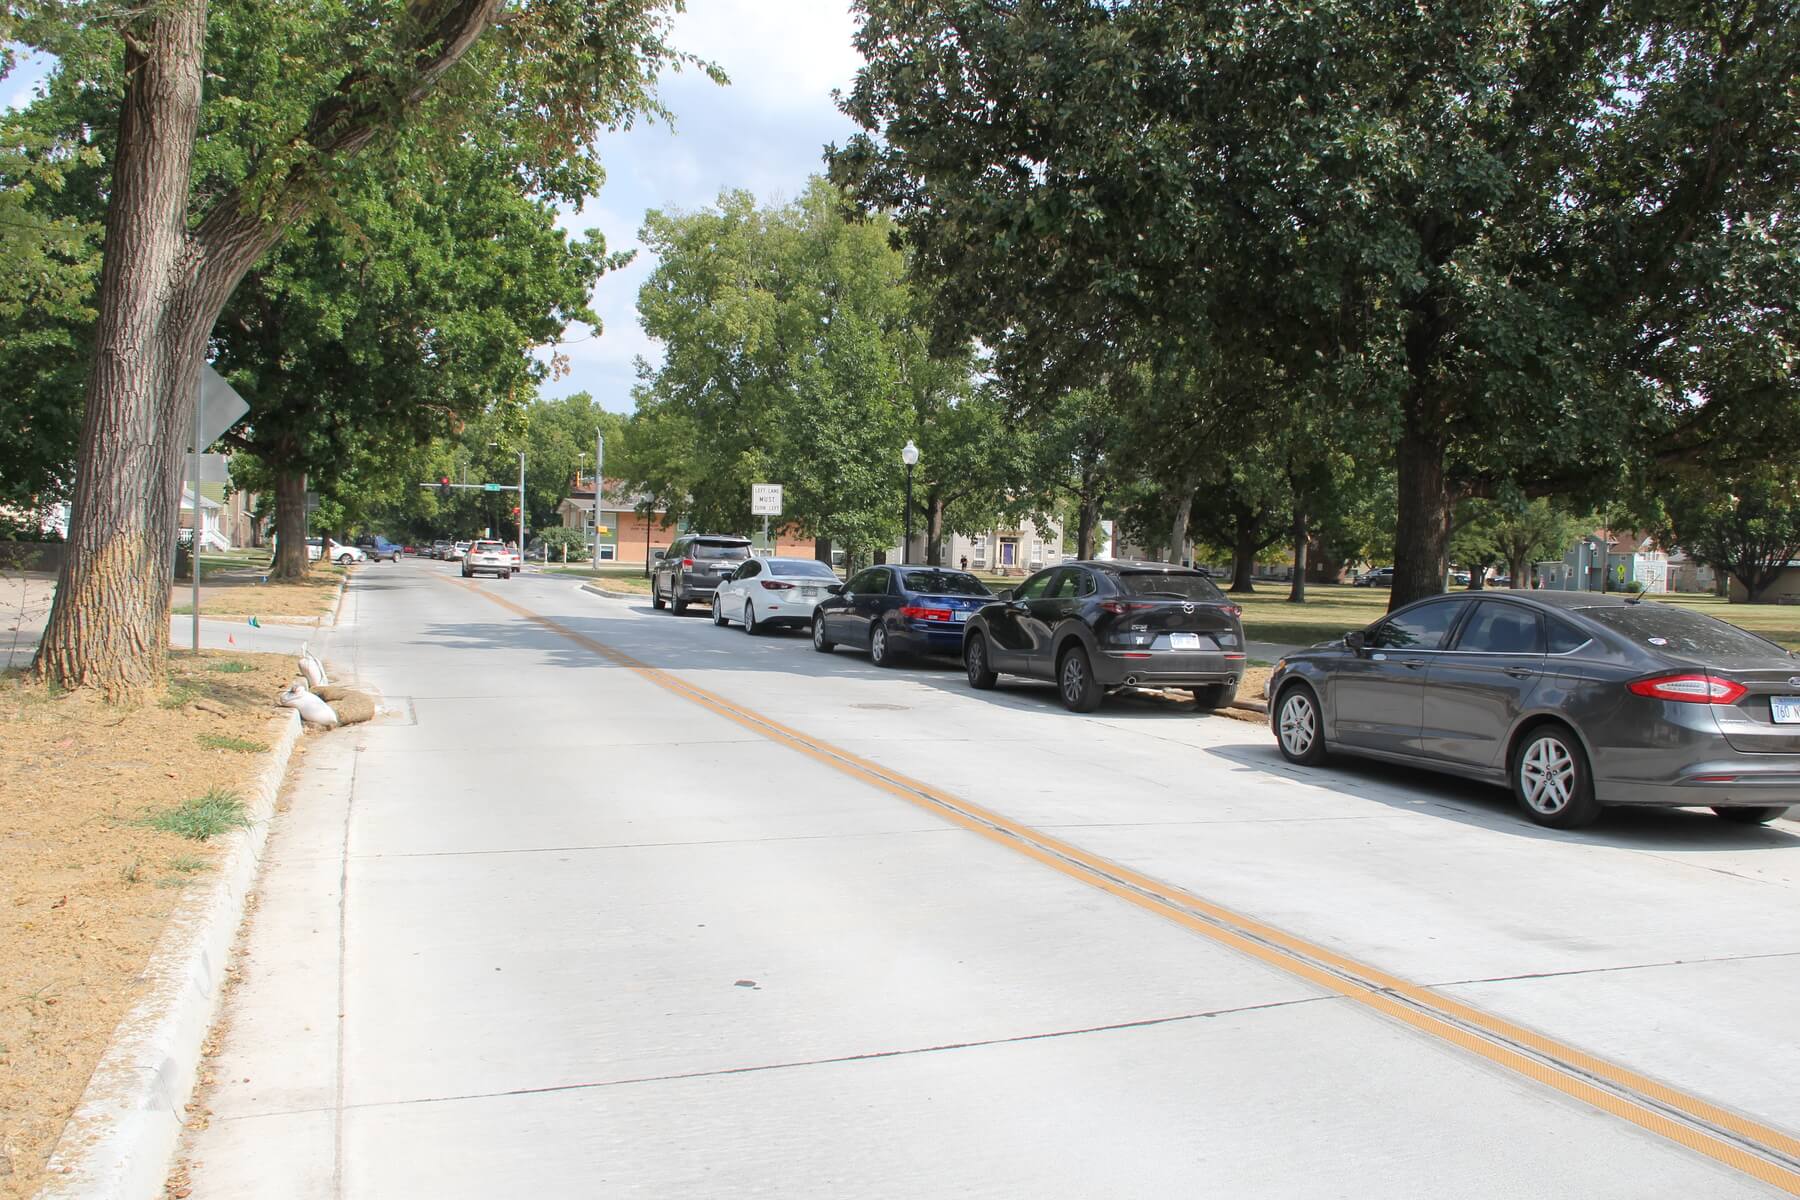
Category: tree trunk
<point>1087,521</point>
<point>822,550</point>
<point>1178,526</point>
<point>109,623</point>
<point>1517,568</point>
<point>1297,593</point>
<point>290,526</point>
<point>1422,526</point>
<point>934,530</point>
<point>1243,563</point>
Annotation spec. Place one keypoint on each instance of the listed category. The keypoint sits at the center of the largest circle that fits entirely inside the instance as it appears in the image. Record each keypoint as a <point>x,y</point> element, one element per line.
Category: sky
<point>764,132</point>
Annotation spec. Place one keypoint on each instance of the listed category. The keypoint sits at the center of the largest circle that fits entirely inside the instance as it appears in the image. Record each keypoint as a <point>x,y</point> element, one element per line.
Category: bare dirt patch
<point>94,802</point>
<point>241,592</point>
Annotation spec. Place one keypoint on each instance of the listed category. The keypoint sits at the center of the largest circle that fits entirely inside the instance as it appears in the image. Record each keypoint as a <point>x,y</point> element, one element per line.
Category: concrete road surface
<point>630,905</point>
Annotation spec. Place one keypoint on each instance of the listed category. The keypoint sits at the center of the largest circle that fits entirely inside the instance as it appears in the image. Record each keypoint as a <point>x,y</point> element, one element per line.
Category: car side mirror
<point>1005,594</point>
<point>836,589</point>
<point>657,555</point>
<point>1357,640</point>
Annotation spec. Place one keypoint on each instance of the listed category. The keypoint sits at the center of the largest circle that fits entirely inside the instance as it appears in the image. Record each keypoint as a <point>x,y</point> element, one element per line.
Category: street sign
<point>765,499</point>
<point>220,408</point>
<point>490,487</point>
<point>602,530</point>
<point>208,468</point>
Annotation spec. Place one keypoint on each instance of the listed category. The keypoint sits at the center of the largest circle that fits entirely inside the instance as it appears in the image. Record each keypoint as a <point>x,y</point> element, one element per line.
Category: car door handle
<point>1521,672</point>
<point>1413,664</point>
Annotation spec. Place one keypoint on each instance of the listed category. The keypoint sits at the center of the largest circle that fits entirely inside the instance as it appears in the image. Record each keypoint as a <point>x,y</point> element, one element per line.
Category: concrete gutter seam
<point>600,591</point>
<point>122,1138</point>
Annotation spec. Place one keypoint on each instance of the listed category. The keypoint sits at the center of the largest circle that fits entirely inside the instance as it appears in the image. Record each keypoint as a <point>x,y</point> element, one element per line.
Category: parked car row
<point>1089,627</point>
<point>1575,701</point>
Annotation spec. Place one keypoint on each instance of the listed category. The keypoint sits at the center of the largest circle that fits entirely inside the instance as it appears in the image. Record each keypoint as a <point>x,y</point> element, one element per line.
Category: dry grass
<point>241,592</point>
<point>90,881</point>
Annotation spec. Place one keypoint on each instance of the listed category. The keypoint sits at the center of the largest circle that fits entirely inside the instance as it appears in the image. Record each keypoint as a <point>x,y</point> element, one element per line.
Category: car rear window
<point>944,583</point>
<point>801,568</point>
<point>1678,631</point>
<point>728,551</point>
<point>1169,585</point>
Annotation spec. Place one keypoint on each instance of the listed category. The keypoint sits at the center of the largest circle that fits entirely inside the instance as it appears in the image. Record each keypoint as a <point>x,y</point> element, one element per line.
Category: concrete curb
<point>122,1138</point>
<point>337,602</point>
<point>610,595</point>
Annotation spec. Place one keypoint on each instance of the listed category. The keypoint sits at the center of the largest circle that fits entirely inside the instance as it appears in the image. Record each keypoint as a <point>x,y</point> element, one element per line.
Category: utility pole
<point>521,506</point>
<point>599,488</point>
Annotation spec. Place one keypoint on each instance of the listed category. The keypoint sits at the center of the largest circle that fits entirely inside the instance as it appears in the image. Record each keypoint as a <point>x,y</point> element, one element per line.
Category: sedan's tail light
<point>913,612</point>
<point>772,586</point>
<point>1231,610</point>
<point>687,563</point>
<point>1689,689</point>
<point>1119,608</point>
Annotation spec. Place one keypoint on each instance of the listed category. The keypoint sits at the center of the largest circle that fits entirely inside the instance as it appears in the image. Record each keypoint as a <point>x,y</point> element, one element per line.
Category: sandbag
<point>313,710</point>
<point>312,668</point>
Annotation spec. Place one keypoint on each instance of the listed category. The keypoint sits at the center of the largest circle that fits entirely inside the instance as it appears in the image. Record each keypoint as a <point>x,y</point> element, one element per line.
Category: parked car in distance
<point>439,549</point>
<point>512,552</point>
<point>893,611</point>
<point>1378,577</point>
<point>766,592</point>
<point>487,558</point>
<point>379,549</point>
<point>336,551</point>
<point>1095,627</point>
<point>456,551</point>
<point>1459,579</point>
<point>1575,700</point>
<point>692,568</point>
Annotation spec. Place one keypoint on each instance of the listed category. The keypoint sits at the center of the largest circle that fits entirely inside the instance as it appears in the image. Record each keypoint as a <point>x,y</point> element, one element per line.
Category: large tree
<point>229,131</point>
<point>1747,527</point>
<point>1499,226</point>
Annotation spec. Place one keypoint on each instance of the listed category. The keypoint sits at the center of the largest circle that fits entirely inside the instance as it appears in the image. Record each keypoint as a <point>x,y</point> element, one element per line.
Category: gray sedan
<point>1576,700</point>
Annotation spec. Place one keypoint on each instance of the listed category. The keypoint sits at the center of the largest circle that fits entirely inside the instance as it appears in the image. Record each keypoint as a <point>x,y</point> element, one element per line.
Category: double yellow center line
<point>1759,1151</point>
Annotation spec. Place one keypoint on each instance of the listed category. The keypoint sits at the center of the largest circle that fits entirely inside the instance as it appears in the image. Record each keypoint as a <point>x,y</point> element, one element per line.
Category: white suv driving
<point>491,558</point>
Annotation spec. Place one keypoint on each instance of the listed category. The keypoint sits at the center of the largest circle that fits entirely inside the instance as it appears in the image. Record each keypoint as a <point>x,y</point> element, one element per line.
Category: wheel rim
<point>749,616</point>
<point>1547,775</point>
<point>1074,678</point>
<point>878,646</point>
<point>977,659</point>
<point>818,632</point>
<point>1298,727</point>
<point>718,613</point>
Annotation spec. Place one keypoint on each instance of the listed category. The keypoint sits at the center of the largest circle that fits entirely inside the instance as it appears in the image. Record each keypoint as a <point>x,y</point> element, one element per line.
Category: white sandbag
<point>312,668</point>
<point>313,710</point>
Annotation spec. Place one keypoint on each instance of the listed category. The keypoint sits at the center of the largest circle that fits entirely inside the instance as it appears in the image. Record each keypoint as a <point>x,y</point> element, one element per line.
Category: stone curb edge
<point>600,591</point>
<point>121,1140</point>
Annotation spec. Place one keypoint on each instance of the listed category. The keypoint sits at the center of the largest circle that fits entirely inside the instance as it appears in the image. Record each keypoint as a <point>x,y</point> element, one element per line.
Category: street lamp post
<point>909,455</point>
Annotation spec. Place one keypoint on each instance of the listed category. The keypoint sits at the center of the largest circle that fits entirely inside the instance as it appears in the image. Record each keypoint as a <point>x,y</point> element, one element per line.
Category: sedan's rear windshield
<point>1168,585</point>
<point>1678,631</point>
<point>801,568</point>
<point>725,550</point>
<point>944,583</point>
<point>488,548</point>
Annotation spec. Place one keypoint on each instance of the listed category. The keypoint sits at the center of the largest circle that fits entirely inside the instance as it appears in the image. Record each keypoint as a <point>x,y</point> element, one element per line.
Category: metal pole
<point>521,508</point>
<point>599,475</point>
<point>906,546</point>
<point>194,558</point>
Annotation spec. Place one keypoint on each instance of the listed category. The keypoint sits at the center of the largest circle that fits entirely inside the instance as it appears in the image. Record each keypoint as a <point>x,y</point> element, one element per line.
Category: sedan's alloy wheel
<point>878,647</point>
<point>718,613</point>
<point>1547,775</point>
<point>1299,724</point>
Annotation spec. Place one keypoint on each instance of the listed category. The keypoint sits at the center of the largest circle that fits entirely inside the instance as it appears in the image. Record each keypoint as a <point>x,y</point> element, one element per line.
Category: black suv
<point>1092,627</point>
<point>689,571</point>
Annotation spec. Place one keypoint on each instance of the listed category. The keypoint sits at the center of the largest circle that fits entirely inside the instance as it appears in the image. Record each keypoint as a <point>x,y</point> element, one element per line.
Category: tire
<point>821,643</point>
<point>677,604</point>
<point>1075,682</point>
<point>506,575</point>
<point>718,613</point>
<point>880,653</point>
<point>344,560</point>
<point>1551,779</point>
<point>467,574</point>
<point>1299,728</point>
<point>1214,697</point>
<point>751,626</point>
<point>982,677</point>
<point>1756,815</point>
<point>656,600</point>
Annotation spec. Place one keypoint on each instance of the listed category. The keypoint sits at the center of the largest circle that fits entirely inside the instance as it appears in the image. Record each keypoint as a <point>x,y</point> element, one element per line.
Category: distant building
<point>1003,550</point>
<point>1603,561</point>
<point>628,535</point>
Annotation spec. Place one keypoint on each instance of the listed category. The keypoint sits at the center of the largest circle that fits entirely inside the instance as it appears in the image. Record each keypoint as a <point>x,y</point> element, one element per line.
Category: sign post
<point>599,490</point>
<point>765,501</point>
<point>217,407</point>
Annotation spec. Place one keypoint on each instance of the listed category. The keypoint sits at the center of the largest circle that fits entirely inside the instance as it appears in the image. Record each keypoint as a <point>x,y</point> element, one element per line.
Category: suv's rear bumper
<point>1170,668</point>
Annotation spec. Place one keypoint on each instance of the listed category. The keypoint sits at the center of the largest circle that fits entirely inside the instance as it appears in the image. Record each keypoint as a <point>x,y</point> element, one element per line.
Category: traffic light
<point>444,487</point>
<point>515,511</point>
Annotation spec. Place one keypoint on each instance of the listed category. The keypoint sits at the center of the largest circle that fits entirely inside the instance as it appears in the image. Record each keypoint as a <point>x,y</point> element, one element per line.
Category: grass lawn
<point>239,591</point>
<point>623,577</point>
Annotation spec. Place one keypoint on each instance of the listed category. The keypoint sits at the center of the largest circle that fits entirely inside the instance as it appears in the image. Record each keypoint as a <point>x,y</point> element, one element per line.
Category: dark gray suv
<point>1575,700</point>
<point>691,569</point>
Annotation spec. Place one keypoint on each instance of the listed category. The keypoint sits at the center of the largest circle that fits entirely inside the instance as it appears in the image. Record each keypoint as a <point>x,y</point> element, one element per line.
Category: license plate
<point>809,593</point>
<point>1184,641</point>
<point>957,614</point>
<point>1785,709</point>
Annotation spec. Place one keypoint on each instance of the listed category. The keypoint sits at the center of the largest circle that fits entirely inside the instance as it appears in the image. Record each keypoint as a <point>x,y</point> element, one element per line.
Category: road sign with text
<point>765,499</point>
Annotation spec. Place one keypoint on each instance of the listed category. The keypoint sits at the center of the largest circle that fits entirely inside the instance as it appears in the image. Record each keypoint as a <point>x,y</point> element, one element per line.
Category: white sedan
<point>339,553</point>
<point>764,592</point>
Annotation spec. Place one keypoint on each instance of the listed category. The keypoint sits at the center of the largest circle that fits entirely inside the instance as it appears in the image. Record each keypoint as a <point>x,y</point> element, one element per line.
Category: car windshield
<point>944,583</point>
<point>1678,631</point>
<point>801,568</point>
<point>1168,585</point>
<point>488,548</point>
<point>730,551</point>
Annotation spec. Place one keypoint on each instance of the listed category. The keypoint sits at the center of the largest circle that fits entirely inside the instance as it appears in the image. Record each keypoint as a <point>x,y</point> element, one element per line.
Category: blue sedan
<point>894,611</point>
